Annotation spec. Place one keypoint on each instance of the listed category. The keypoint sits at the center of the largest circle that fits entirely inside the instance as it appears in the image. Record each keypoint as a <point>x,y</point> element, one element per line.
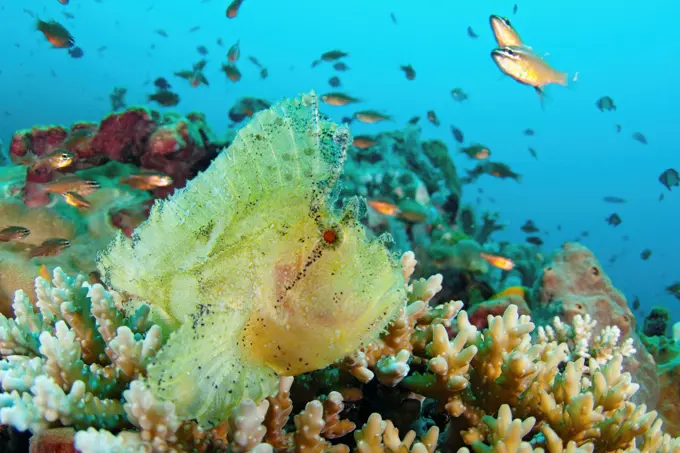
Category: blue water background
<point>621,49</point>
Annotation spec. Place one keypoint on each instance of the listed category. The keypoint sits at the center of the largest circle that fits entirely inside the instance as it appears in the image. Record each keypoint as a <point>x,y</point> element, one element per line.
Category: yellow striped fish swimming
<point>527,67</point>
<point>504,32</point>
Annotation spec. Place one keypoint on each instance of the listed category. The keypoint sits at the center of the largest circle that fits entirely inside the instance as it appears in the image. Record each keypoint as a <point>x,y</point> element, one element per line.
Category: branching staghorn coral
<point>564,388</point>
<point>69,363</point>
<point>259,270</point>
<point>503,390</point>
<point>579,338</point>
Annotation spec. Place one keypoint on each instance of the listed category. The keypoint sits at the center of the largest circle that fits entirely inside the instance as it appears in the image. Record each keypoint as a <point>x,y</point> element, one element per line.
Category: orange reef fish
<point>232,9</point>
<point>234,52</point>
<point>364,141</point>
<point>527,67</point>
<point>408,211</point>
<point>231,72</point>
<point>504,32</point>
<point>55,33</point>
<point>14,233</point>
<point>511,291</point>
<point>384,207</point>
<point>44,272</point>
<point>195,75</point>
<point>479,152</point>
<point>500,262</point>
<point>147,180</point>
<point>76,200</point>
<point>338,99</point>
<point>71,183</point>
<point>371,116</point>
<point>51,247</point>
<point>432,117</point>
<point>59,158</point>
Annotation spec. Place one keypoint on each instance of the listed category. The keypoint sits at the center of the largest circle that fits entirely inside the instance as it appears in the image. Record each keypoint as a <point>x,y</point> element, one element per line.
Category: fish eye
<point>595,271</point>
<point>330,236</point>
<point>506,21</point>
<point>510,52</point>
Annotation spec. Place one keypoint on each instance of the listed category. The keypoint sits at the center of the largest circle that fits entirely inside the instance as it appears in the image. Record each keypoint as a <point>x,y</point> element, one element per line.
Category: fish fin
<point>282,152</point>
<point>569,80</point>
<point>541,97</point>
<point>204,372</point>
<point>184,74</point>
<point>39,23</point>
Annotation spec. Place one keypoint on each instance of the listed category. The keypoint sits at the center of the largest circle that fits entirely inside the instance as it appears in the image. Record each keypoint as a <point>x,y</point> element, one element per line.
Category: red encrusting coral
<point>169,143</point>
<point>123,136</point>
<point>58,440</point>
<point>38,141</point>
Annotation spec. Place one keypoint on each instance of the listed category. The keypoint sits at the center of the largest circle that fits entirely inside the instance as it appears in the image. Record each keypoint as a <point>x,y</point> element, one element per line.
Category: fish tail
<point>568,80</point>
<point>563,78</point>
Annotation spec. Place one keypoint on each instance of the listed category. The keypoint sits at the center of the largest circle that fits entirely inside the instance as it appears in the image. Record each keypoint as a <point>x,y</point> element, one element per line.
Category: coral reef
<point>284,327</point>
<point>420,178</point>
<point>78,363</point>
<point>398,168</point>
<point>102,157</point>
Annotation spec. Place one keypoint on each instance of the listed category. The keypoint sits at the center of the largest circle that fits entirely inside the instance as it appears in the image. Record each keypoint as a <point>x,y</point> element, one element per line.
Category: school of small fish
<point>513,57</point>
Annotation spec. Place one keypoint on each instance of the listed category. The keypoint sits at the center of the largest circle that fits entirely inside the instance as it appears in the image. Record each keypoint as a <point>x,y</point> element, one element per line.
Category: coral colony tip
<point>257,271</point>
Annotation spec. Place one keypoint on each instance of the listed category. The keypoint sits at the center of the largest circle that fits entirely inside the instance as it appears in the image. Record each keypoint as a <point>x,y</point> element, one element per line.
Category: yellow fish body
<point>525,66</point>
<point>519,291</point>
<point>504,32</point>
<point>258,286</point>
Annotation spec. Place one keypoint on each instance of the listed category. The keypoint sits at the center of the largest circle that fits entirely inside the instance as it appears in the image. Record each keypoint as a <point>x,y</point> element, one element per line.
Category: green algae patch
<point>262,274</point>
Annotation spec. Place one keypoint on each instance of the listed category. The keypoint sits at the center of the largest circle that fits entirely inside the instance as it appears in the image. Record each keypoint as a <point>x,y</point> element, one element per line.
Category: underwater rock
<point>574,283</point>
